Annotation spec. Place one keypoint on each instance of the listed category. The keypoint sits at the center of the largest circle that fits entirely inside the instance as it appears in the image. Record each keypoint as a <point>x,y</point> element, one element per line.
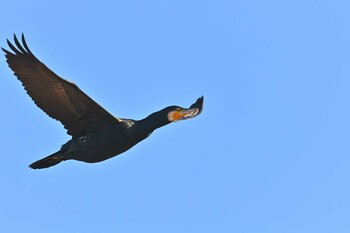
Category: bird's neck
<point>152,122</point>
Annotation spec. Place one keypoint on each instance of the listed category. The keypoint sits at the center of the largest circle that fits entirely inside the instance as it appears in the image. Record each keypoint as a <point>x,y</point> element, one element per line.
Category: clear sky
<point>269,153</point>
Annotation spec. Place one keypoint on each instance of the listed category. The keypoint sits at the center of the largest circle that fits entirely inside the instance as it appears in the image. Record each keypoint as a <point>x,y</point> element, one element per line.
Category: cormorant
<point>96,134</point>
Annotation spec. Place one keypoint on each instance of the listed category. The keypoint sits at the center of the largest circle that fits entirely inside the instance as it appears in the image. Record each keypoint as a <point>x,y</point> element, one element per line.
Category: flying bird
<point>96,135</point>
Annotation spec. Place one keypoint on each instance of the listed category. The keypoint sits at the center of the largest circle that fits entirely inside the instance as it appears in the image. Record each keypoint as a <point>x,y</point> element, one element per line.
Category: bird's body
<point>99,145</point>
<point>96,134</point>
<point>106,142</point>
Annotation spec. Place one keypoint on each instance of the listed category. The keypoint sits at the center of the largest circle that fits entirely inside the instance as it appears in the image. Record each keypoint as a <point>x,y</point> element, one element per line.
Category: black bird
<point>96,134</point>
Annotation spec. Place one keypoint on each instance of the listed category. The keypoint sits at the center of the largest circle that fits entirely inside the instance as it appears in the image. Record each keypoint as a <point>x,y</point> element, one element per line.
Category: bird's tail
<point>49,161</point>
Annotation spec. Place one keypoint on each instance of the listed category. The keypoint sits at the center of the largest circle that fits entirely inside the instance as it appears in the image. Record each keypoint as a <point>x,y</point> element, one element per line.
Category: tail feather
<point>48,161</point>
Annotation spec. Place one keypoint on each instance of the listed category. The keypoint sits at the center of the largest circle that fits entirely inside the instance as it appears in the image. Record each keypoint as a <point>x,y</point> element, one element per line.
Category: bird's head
<point>170,114</point>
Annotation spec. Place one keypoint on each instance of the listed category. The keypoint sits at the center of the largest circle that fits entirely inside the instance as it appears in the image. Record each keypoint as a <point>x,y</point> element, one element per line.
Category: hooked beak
<point>198,104</point>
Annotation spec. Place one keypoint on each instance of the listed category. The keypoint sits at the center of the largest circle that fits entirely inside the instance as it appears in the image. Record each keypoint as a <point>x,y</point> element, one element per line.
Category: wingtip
<point>5,51</point>
<point>25,45</point>
<point>12,47</point>
<point>18,48</point>
<point>14,37</point>
<point>22,38</point>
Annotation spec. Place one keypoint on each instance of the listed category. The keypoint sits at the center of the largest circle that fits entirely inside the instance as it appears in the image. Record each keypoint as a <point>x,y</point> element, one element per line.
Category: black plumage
<point>96,134</point>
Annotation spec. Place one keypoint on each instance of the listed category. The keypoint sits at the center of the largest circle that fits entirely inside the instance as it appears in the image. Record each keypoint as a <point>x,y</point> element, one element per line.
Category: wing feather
<point>57,97</point>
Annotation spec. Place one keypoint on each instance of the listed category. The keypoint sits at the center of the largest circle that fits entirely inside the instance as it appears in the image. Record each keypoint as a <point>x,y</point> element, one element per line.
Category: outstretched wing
<point>58,98</point>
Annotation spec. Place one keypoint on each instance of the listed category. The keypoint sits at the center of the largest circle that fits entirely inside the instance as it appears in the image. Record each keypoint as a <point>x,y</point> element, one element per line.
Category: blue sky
<point>270,152</point>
